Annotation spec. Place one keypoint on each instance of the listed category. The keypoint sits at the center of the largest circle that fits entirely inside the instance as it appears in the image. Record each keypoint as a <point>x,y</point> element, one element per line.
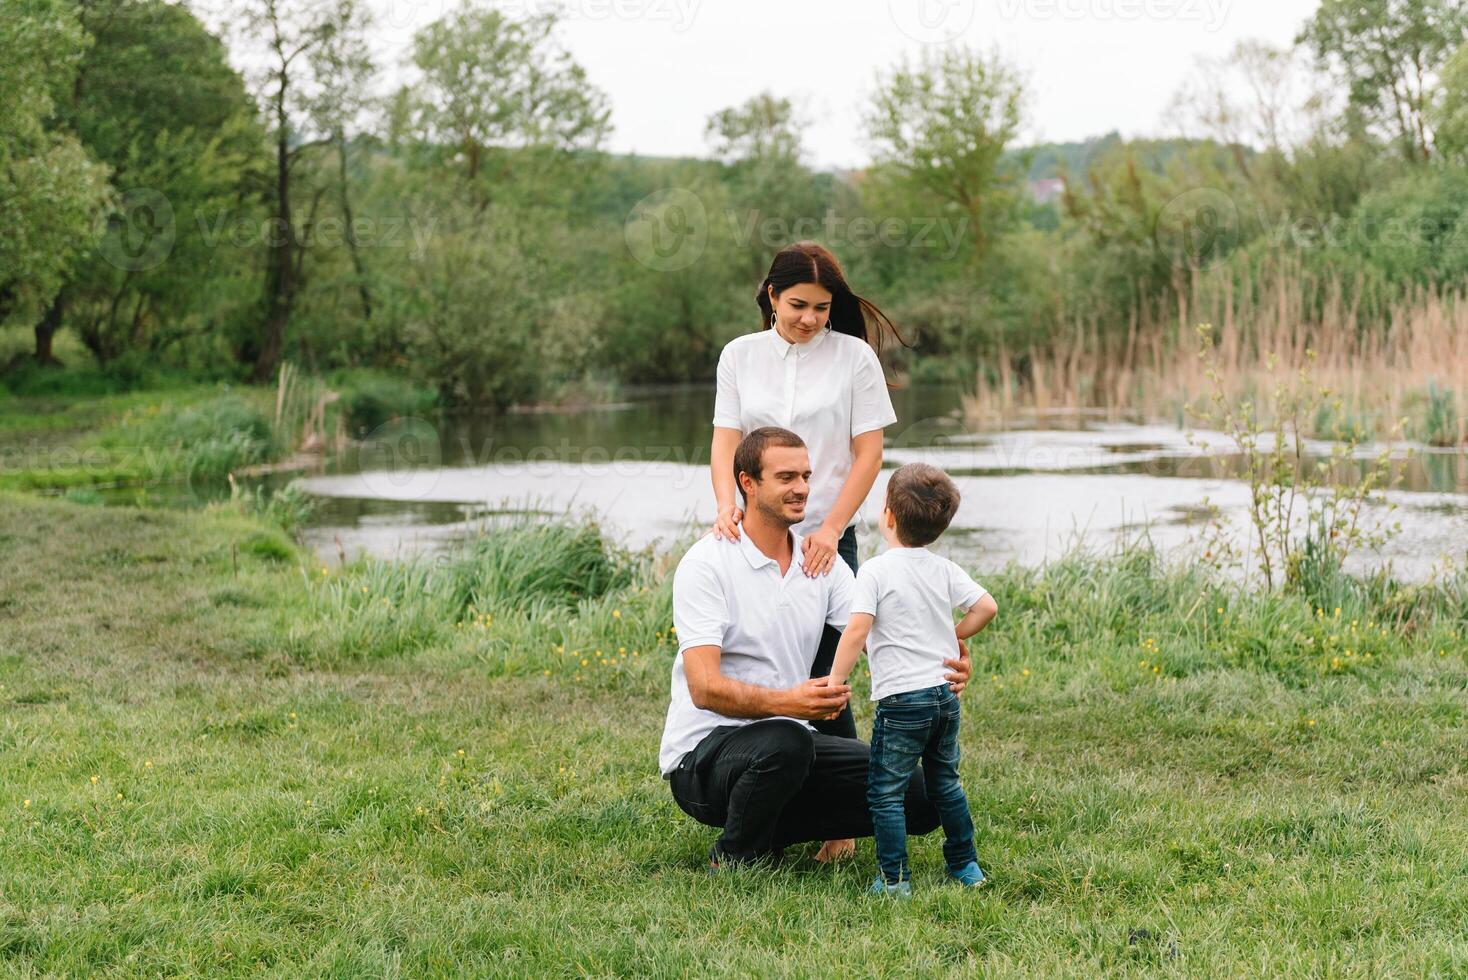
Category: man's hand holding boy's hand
<point>817,699</point>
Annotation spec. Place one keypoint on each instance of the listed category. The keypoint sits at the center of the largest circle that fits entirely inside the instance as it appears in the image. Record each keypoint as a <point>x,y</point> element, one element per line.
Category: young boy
<point>902,610</point>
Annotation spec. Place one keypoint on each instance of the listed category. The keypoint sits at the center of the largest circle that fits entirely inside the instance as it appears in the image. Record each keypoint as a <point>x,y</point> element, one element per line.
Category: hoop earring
<point>772,320</point>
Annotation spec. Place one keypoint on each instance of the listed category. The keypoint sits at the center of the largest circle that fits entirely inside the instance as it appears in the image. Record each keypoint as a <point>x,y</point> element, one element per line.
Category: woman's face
<point>801,311</point>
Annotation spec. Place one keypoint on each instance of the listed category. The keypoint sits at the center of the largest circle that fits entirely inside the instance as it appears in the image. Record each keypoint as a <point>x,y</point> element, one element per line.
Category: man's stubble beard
<point>776,515</point>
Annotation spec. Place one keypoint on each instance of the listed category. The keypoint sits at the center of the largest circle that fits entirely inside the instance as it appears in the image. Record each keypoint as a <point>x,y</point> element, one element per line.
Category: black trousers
<point>774,782</point>
<point>844,724</point>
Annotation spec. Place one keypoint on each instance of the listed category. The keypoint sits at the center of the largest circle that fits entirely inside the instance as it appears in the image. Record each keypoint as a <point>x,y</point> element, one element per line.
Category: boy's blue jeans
<point>912,726</point>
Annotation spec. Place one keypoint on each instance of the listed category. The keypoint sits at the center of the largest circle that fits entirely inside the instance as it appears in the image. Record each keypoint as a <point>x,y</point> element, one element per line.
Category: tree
<point>50,189</point>
<point>1449,116</point>
<point>940,127</point>
<point>155,100</point>
<point>345,74</point>
<point>1282,107</point>
<point>495,84</point>
<point>759,145</point>
<point>293,34</point>
<point>1387,52</point>
<point>763,128</point>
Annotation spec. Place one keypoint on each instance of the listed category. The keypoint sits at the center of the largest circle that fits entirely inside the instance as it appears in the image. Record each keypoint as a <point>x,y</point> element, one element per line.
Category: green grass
<point>53,439</point>
<point>454,791</point>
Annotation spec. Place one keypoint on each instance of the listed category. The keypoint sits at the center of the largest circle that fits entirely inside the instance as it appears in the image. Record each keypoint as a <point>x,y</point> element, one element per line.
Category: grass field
<point>214,758</point>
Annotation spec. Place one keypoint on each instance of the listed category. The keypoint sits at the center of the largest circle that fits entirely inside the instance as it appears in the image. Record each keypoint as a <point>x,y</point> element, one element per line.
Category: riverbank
<point>76,432</point>
<point>218,758</point>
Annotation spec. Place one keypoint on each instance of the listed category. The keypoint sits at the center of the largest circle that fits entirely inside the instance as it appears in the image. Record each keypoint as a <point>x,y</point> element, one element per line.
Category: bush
<point>546,577</point>
<point>370,401</point>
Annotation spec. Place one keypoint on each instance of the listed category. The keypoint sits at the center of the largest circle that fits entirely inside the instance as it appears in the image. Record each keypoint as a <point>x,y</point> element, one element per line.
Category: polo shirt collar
<point>783,346</point>
<point>758,559</point>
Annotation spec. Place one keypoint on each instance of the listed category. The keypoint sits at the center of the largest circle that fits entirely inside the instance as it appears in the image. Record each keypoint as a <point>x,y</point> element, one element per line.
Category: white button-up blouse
<point>827,390</point>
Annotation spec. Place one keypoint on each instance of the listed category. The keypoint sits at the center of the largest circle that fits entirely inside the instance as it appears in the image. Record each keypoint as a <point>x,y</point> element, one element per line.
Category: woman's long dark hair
<point>850,314</point>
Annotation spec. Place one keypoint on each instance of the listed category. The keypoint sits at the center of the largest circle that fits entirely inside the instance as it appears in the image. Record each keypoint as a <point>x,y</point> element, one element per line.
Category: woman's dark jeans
<point>912,727</point>
<point>844,724</point>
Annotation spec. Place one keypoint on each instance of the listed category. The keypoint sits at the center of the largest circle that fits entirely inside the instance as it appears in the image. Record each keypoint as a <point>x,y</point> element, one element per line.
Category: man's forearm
<point>736,699</point>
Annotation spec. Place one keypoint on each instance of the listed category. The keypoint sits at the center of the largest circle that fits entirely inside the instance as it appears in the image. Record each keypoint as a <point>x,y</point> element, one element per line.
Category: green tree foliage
<point>501,91</point>
<point>301,42</point>
<point>50,188</point>
<point>1386,52</point>
<point>939,127</point>
<point>1415,230</point>
<point>156,100</point>
<point>1449,115</point>
<point>468,230</point>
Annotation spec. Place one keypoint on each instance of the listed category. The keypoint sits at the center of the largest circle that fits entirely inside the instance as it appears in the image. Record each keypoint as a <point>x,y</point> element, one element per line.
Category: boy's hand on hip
<point>961,668</point>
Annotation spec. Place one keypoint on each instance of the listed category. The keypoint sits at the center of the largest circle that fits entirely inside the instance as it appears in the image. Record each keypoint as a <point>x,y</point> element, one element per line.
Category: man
<point>738,750</point>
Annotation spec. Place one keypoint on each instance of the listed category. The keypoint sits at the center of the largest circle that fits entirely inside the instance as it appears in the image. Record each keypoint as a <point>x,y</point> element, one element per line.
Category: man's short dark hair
<point>751,451</point>
<point>923,500</point>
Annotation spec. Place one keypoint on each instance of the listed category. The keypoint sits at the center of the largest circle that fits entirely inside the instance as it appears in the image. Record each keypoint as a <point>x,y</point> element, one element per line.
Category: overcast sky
<point>1093,65</point>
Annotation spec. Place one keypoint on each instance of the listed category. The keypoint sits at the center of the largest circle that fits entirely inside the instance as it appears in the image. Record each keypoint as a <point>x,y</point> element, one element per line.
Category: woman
<point>810,369</point>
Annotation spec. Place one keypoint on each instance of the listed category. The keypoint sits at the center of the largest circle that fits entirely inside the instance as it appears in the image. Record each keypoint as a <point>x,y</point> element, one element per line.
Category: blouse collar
<point>783,346</point>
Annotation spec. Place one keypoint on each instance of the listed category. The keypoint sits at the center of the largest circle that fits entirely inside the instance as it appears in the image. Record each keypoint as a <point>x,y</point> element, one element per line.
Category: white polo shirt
<point>731,595</point>
<point>827,390</point>
<point>911,593</point>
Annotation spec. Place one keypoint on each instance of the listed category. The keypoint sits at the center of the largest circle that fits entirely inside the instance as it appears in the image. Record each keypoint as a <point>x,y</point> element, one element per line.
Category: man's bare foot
<point>836,850</point>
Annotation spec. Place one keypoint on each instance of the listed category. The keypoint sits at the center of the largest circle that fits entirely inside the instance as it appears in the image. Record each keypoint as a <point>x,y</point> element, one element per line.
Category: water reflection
<point>1029,492</point>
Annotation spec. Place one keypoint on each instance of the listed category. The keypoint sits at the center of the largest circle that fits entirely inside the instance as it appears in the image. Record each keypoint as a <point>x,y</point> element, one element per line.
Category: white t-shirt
<point>827,390</point>
<point>768,626</point>
<point>911,593</point>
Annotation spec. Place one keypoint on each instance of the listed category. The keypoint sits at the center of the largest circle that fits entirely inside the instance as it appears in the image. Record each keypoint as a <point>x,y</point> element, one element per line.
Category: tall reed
<point>1413,366</point>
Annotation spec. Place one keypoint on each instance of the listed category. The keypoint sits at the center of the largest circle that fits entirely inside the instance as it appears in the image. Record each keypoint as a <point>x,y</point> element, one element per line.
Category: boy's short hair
<point>923,499</point>
<point>749,456</point>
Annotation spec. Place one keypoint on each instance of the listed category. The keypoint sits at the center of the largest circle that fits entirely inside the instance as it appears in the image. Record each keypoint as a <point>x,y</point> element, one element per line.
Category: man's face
<point>781,492</point>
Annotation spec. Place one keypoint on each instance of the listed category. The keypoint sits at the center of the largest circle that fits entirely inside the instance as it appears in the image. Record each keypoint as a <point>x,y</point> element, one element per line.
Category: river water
<point>1030,493</point>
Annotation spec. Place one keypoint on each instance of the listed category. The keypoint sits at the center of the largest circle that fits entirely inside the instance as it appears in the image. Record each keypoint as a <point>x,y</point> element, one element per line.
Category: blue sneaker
<point>900,889</point>
<point>970,875</point>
